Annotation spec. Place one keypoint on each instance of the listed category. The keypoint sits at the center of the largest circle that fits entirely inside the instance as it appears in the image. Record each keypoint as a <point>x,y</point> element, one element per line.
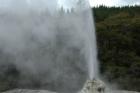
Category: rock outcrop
<point>93,86</point>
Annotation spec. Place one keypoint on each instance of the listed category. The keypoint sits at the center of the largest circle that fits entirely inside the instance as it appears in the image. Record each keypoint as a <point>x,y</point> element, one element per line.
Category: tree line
<point>118,36</point>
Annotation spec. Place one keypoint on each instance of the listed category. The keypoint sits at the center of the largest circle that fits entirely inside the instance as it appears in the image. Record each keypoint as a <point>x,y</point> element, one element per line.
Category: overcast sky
<point>114,2</point>
<point>66,3</point>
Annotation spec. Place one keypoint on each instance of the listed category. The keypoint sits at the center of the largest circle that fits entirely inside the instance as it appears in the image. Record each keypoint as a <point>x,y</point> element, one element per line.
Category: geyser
<point>51,44</point>
<point>81,7</point>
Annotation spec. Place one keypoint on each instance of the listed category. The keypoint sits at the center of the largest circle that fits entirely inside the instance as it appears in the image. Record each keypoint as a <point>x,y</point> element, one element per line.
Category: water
<point>90,35</point>
<point>91,48</point>
<point>52,44</point>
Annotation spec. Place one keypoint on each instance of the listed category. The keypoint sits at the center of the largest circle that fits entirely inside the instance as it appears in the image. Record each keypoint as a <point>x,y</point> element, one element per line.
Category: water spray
<point>51,45</point>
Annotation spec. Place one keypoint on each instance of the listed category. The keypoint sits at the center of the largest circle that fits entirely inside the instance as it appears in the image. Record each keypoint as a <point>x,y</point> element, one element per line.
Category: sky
<point>66,3</point>
<point>114,2</point>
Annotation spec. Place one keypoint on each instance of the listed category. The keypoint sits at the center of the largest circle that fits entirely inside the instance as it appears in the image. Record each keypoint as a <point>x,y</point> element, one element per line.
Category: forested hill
<point>118,35</point>
<point>103,12</point>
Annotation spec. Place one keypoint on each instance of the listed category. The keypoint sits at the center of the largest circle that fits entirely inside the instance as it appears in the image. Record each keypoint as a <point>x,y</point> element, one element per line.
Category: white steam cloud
<point>49,51</point>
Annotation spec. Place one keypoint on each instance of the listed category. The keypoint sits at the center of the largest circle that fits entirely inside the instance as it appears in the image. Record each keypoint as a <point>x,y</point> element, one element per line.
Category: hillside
<point>118,35</point>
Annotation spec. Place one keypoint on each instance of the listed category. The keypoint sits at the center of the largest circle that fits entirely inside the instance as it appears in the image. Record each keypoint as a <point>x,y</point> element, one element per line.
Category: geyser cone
<point>93,86</point>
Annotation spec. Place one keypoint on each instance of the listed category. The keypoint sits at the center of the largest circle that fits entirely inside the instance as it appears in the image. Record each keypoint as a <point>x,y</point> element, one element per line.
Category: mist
<point>46,50</point>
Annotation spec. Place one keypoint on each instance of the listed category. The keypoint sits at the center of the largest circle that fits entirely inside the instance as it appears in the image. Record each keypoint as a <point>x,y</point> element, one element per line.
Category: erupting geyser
<point>82,8</point>
<point>52,43</point>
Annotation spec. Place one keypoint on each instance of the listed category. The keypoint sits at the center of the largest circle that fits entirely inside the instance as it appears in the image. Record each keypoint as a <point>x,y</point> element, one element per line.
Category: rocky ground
<point>28,91</point>
<point>45,91</point>
<point>125,92</point>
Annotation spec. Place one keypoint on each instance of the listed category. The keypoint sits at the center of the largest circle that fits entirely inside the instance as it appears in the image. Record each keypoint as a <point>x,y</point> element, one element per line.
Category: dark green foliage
<point>118,35</point>
<point>8,77</point>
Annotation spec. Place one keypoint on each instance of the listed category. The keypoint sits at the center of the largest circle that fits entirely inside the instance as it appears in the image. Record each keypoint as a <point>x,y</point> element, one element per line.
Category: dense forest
<point>118,35</point>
